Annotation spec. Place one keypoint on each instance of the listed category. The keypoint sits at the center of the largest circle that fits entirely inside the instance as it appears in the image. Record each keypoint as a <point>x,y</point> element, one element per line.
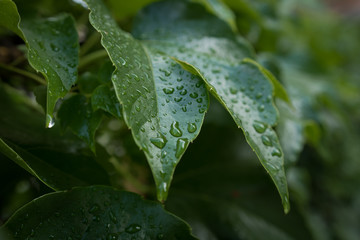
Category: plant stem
<point>24,73</point>
<point>92,57</point>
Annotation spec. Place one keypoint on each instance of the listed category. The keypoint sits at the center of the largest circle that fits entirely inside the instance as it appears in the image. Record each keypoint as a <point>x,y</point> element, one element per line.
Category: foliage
<point>124,87</point>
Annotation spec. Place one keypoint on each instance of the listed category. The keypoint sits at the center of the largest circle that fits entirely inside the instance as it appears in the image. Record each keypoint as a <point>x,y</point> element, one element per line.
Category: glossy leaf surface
<point>56,57</point>
<point>94,213</point>
<point>206,46</point>
<point>162,104</point>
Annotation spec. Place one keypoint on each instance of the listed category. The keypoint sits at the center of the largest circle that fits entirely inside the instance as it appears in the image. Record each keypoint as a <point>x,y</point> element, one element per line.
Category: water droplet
<point>112,236</point>
<point>175,130</point>
<point>266,140</point>
<point>160,236</point>
<point>184,109</point>
<point>276,152</point>
<point>202,110</point>
<point>159,141</point>
<point>177,99</point>
<point>259,95</point>
<point>168,90</point>
<point>50,121</point>
<point>194,95</point>
<point>133,228</point>
<point>259,127</point>
<point>137,108</point>
<point>162,173</point>
<point>183,92</point>
<point>199,100</point>
<point>191,127</point>
<point>122,61</point>
<point>233,90</point>
<point>180,146</point>
<point>180,87</point>
<point>54,48</point>
<point>261,108</point>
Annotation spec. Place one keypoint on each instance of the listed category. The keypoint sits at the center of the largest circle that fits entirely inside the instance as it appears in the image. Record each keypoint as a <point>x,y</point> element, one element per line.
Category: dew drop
<point>259,95</point>
<point>199,100</point>
<point>159,142</point>
<point>191,127</point>
<point>259,127</point>
<point>266,140</point>
<point>168,90</point>
<point>133,228</point>
<point>276,152</point>
<point>194,95</point>
<point>233,90</point>
<point>180,146</point>
<point>175,130</point>
<point>122,61</point>
<point>177,99</point>
<point>261,108</point>
<point>50,121</point>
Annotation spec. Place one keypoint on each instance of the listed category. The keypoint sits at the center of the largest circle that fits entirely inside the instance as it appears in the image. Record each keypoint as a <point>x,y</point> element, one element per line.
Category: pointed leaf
<point>95,212</point>
<point>162,104</point>
<point>52,49</point>
<point>77,114</point>
<point>206,46</point>
<point>51,175</point>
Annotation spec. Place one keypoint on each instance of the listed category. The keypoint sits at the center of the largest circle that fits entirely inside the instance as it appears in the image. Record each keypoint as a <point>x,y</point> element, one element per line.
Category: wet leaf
<point>105,99</point>
<point>94,213</point>
<point>52,49</point>
<point>162,104</point>
<point>207,47</point>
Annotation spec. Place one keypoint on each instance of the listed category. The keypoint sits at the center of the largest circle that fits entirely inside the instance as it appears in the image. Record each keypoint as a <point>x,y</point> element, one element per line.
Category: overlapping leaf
<point>60,161</point>
<point>207,47</point>
<point>95,213</point>
<point>52,50</point>
<point>162,104</point>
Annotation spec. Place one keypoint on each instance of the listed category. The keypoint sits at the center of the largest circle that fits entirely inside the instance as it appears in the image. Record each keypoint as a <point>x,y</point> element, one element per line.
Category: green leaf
<point>206,46</point>
<point>221,10</point>
<point>162,104</point>
<point>52,49</point>
<point>105,99</point>
<point>77,114</point>
<point>95,212</point>
<point>50,175</point>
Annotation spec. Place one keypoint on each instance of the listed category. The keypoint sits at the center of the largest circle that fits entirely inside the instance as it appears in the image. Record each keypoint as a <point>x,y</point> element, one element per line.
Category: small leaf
<point>221,10</point>
<point>77,114</point>
<point>207,47</point>
<point>105,99</point>
<point>52,49</point>
<point>162,104</point>
<point>94,213</point>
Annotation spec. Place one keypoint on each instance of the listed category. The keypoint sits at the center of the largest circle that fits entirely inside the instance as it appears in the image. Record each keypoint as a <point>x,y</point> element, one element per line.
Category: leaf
<point>61,161</point>
<point>52,49</point>
<point>77,114</point>
<point>94,213</point>
<point>221,10</point>
<point>105,99</point>
<point>50,175</point>
<point>162,104</point>
<point>206,46</point>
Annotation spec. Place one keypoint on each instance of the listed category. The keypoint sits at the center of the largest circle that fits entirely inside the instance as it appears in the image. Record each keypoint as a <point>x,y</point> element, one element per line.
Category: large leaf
<point>162,104</point>
<point>95,213</point>
<point>52,50</point>
<point>207,47</point>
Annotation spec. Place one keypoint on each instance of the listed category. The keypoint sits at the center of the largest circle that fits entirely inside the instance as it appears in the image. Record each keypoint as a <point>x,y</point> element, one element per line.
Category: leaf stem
<point>24,73</point>
<point>92,57</point>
